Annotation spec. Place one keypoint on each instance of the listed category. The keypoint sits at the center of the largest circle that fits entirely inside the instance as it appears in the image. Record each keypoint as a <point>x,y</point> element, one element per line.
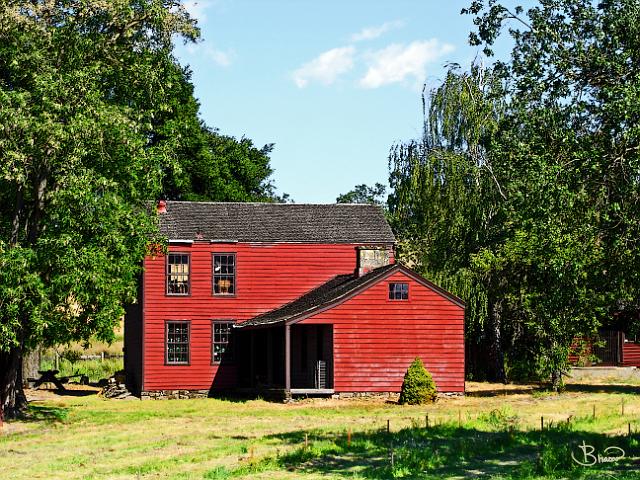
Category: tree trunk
<point>497,356</point>
<point>12,397</point>
<point>556,380</point>
<point>30,364</point>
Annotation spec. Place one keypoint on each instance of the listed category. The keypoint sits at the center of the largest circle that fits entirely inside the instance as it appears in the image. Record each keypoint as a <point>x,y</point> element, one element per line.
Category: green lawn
<point>491,433</point>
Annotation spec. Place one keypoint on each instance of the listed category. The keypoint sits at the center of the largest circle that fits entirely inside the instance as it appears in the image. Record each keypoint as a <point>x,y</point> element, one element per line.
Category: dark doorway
<point>312,357</point>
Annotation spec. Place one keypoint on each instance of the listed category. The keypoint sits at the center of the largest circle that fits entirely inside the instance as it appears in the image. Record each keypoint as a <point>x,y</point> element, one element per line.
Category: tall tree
<point>569,150</point>
<point>81,85</point>
<point>527,193</point>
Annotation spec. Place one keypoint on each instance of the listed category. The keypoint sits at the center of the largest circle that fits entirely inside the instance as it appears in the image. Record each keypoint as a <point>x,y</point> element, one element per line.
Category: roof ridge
<point>197,202</point>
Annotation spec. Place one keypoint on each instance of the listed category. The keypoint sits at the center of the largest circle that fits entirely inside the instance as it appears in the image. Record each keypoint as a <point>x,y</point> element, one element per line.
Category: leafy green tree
<point>524,195</point>
<point>418,386</point>
<point>569,152</point>
<point>81,85</point>
<point>365,194</point>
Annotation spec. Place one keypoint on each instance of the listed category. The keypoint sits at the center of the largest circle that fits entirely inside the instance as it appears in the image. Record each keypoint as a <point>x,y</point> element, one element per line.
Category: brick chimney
<point>162,206</point>
<point>370,258</point>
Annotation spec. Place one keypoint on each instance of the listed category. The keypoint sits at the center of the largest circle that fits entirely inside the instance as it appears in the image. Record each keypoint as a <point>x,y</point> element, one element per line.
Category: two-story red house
<point>300,299</point>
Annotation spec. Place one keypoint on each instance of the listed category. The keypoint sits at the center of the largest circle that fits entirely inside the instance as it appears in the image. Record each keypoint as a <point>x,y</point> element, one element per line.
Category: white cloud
<point>221,58</point>
<point>326,67</point>
<point>398,62</point>
<point>198,9</point>
<point>369,33</point>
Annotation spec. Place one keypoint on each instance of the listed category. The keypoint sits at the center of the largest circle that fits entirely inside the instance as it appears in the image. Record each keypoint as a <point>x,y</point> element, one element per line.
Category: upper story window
<point>178,270</point>
<point>398,291</point>
<point>222,348</point>
<point>177,342</point>
<point>224,273</point>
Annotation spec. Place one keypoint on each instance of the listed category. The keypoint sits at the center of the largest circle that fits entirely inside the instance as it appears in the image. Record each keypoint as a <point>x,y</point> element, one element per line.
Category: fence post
<point>426,421</point>
<point>392,455</point>
<point>388,426</point>
<point>541,423</point>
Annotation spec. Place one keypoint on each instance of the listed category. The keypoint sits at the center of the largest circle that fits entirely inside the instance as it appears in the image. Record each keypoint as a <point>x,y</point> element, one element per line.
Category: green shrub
<point>418,386</point>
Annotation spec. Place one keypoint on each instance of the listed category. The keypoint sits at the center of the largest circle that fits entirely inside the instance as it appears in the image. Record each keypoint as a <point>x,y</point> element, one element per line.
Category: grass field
<point>492,432</point>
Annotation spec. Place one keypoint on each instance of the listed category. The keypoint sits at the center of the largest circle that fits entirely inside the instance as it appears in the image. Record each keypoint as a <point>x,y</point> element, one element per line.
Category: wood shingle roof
<point>275,222</point>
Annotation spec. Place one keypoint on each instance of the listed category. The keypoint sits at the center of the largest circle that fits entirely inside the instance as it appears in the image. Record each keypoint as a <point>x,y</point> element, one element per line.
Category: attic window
<point>398,291</point>
<point>224,274</point>
<point>178,267</point>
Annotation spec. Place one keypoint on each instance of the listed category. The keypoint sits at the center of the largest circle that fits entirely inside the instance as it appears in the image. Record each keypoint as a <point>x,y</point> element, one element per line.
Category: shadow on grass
<point>44,413</point>
<point>75,393</point>
<point>446,451</point>
<point>543,388</point>
<point>588,388</point>
<point>505,392</point>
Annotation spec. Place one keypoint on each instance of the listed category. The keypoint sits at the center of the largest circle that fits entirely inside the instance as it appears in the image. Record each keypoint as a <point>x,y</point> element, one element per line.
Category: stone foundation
<point>342,395</point>
<point>180,394</point>
<point>389,395</point>
<point>173,394</point>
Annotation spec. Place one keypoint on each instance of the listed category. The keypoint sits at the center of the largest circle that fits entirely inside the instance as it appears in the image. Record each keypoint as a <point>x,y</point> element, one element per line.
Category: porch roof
<point>326,295</point>
<point>334,292</point>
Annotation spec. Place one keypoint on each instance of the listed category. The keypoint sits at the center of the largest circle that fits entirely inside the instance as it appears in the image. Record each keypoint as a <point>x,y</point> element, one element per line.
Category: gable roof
<point>275,222</point>
<point>334,292</point>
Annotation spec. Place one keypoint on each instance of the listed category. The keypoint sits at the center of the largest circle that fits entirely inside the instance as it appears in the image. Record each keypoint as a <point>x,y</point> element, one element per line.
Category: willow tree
<point>81,84</point>
<point>446,202</point>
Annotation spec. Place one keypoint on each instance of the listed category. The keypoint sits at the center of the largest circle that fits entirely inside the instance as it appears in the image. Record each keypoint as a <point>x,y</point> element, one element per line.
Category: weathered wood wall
<point>375,339</point>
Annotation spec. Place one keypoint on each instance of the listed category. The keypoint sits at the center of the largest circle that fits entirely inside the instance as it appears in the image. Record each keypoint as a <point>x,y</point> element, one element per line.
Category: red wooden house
<point>300,299</point>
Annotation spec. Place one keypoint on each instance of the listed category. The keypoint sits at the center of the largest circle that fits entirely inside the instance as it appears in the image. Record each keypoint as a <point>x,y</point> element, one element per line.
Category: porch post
<point>287,358</point>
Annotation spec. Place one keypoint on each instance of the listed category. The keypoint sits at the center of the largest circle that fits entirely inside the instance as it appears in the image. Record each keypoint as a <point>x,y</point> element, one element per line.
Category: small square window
<point>177,343</point>
<point>398,291</point>
<point>222,348</point>
<point>224,274</point>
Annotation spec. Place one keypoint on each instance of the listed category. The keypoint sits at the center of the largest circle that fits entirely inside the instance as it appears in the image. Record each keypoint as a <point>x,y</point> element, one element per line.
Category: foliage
<point>418,386</point>
<point>364,194</point>
<point>97,118</point>
<point>95,369</point>
<point>207,166</point>
<point>81,86</point>
<point>523,194</point>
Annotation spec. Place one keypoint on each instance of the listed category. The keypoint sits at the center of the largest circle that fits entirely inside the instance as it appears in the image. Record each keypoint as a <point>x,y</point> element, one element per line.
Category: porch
<point>286,360</point>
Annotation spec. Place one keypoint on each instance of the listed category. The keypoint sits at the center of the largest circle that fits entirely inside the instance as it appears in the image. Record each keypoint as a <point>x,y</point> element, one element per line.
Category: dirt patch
<point>73,390</point>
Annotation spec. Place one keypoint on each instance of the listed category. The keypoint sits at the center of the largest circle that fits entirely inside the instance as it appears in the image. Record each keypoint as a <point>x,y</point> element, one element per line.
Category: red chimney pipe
<point>162,206</point>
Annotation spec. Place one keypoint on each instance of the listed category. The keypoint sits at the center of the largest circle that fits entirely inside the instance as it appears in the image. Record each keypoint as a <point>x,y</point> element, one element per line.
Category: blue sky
<point>333,84</point>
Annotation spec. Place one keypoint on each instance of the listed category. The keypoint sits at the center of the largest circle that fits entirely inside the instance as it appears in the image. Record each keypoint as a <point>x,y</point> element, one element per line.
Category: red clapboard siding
<point>375,339</point>
<point>631,354</point>
<point>268,276</point>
